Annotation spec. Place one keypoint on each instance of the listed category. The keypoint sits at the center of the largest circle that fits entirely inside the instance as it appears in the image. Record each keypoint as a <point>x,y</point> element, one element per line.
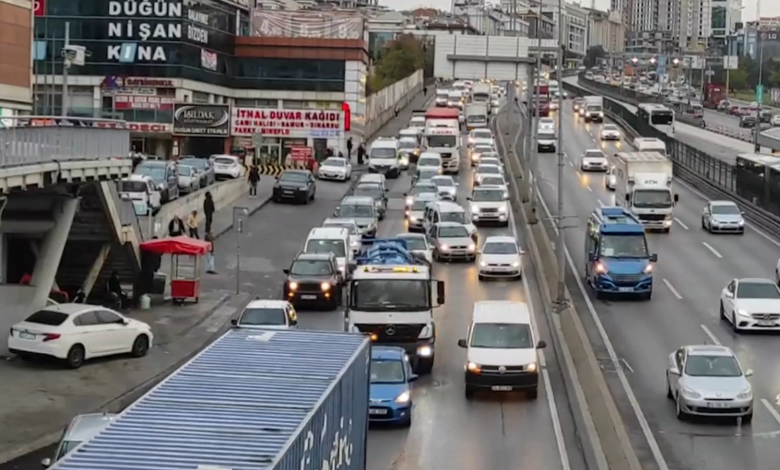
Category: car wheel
<point>703,225</point>
<point>75,358</point>
<point>140,346</point>
<point>532,394</point>
<point>425,366</point>
<point>407,422</point>
<point>669,394</point>
<point>469,392</point>
<point>481,277</point>
<point>734,326</point>
<point>747,419</point>
<point>722,312</point>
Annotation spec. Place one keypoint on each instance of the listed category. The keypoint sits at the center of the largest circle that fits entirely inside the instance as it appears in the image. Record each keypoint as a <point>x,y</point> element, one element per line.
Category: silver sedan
<point>722,217</point>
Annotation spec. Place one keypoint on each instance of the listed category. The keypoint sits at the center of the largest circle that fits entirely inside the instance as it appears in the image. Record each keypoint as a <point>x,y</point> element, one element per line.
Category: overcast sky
<point>768,7</point>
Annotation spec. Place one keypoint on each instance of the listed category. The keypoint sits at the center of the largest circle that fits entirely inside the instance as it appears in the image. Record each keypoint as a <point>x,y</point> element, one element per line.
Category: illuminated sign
<point>286,123</point>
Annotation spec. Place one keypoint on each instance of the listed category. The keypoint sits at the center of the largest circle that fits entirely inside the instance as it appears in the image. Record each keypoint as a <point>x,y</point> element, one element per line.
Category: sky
<point>768,7</point>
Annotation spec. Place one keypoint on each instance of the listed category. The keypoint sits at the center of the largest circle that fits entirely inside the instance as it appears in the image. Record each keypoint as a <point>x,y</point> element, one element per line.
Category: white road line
<point>658,456</point>
<point>600,203</point>
<point>671,288</point>
<point>681,223</point>
<point>713,250</point>
<point>772,409</point>
<point>710,334</point>
<point>589,188</point>
<point>571,163</point>
<point>627,365</point>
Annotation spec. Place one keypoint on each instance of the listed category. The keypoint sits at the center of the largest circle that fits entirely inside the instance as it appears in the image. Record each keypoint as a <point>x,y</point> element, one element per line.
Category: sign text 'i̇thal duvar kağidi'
<point>318,124</point>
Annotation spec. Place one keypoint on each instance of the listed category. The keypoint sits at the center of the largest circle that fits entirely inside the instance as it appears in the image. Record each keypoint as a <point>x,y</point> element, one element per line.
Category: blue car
<point>390,399</point>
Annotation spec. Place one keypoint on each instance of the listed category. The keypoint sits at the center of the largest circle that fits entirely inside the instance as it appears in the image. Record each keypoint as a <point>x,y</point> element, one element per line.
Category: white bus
<point>658,115</point>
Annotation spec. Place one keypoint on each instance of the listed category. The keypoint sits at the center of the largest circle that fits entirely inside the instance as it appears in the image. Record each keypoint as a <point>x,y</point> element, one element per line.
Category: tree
<point>593,55</point>
<point>399,58</point>
<point>738,79</point>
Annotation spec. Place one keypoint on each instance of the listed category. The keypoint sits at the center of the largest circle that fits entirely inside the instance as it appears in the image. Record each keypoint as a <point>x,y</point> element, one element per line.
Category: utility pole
<point>560,244</point>
<point>728,47</point>
<point>760,45</point>
<point>532,161</point>
<point>65,66</point>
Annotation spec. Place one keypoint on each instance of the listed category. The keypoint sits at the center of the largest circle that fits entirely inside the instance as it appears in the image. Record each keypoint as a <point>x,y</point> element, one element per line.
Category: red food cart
<point>186,254</point>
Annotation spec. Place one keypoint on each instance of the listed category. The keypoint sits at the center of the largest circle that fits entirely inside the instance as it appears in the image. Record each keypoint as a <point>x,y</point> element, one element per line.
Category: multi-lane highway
<point>693,266</point>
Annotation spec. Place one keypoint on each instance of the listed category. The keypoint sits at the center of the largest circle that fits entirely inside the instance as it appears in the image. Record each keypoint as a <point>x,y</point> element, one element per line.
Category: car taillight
<point>50,337</point>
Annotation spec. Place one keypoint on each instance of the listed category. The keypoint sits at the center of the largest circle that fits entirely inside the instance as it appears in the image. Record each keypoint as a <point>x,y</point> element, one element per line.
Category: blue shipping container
<point>252,400</point>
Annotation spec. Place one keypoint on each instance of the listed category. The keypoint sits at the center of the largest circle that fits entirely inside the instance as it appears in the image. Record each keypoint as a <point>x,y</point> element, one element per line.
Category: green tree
<point>593,55</point>
<point>738,79</point>
<point>397,60</point>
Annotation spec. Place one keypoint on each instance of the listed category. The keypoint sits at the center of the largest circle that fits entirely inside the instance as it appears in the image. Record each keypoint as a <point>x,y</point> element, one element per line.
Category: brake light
<point>50,337</point>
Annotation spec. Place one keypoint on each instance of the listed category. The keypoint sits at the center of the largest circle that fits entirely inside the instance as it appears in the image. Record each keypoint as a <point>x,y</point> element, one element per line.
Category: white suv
<point>489,204</point>
<point>501,350</point>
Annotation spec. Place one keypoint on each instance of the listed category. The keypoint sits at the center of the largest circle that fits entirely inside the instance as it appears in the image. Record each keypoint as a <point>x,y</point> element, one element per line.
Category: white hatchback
<point>227,166</point>
<point>594,160</point>
<point>500,257</point>
<point>335,168</point>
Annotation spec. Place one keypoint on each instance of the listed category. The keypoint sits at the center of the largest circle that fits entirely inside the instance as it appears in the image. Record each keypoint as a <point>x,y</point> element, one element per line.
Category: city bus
<point>657,115</point>
<point>757,179</point>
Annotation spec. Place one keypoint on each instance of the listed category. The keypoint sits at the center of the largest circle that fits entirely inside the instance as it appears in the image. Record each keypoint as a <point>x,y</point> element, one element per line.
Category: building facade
<point>669,26</point>
<point>16,17</point>
<point>606,29</point>
<point>181,72</point>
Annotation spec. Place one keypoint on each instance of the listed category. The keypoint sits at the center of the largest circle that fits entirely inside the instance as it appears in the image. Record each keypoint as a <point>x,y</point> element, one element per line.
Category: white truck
<point>476,115</point>
<point>650,144</point>
<point>446,142</point>
<point>644,186</point>
<point>594,109</point>
<point>480,93</point>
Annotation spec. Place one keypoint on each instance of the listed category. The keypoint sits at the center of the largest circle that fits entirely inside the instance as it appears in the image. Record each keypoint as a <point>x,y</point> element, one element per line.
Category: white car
<point>335,168</point>
<point>500,257</point>
<point>610,181</point>
<point>707,380</point>
<point>775,121</point>
<point>594,160</point>
<point>610,132</point>
<point>489,204</point>
<point>227,166</point>
<point>480,151</point>
<point>418,244</point>
<point>751,304</point>
<point>496,180</point>
<point>448,188</point>
<point>492,161</point>
<point>547,124</point>
<point>267,314</point>
<point>430,160</point>
<point>355,235</point>
<point>484,170</point>
<point>77,332</point>
<point>481,136</point>
<point>142,191</point>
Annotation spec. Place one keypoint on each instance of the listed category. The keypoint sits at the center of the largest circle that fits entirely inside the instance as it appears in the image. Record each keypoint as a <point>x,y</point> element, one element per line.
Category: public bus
<point>656,114</point>
<point>757,179</point>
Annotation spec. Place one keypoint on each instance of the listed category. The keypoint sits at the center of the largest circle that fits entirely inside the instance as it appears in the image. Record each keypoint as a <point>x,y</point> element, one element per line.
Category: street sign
<point>760,94</point>
<point>709,73</point>
<point>257,139</point>
<point>240,214</point>
<point>731,62</point>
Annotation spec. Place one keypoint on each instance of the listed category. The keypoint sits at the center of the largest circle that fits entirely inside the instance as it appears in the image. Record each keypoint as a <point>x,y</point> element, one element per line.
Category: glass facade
<point>290,74</point>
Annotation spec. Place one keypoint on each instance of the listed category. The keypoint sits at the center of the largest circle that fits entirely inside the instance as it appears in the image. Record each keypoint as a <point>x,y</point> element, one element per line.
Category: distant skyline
<point>768,7</point>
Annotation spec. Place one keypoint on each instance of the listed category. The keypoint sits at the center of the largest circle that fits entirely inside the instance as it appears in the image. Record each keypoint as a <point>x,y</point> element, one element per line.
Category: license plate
<point>766,323</point>
<point>288,192</point>
<point>308,297</point>
<point>501,388</point>
<point>625,289</point>
<point>377,411</point>
<point>717,404</point>
<point>26,336</point>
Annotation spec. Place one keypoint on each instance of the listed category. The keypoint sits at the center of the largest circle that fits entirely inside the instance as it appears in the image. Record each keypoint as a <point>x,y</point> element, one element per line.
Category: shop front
<point>274,135</point>
<point>201,130</point>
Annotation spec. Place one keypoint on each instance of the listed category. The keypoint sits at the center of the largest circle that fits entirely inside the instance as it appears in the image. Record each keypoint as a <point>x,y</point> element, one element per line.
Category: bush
<point>400,58</point>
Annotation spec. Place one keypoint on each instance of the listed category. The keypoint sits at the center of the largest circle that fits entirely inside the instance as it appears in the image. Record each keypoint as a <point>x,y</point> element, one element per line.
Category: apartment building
<point>668,26</point>
<point>606,29</point>
<point>16,17</point>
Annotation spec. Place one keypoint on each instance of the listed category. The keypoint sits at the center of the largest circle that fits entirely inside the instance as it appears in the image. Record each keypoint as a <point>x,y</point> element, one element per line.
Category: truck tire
<point>469,392</point>
<point>532,394</point>
<point>425,366</point>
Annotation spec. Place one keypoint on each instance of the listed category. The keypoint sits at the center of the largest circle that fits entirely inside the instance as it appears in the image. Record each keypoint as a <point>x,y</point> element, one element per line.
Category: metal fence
<point>31,140</point>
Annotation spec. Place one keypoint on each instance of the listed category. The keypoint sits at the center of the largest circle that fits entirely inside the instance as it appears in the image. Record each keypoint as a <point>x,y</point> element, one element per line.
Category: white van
<point>374,178</point>
<point>331,240</point>
<point>446,211</point>
<point>383,157</point>
<point>455,99</point>
<point>650,144</point>
<point>501,349</point>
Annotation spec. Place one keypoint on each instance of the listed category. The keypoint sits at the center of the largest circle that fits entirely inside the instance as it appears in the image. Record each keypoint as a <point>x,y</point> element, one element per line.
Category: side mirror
<point>676,198</point>
<point>440,294</point>
<point>749,373</point>
<point>293,322</point>
<point>462,343</point>
<point>276,178</point>
<point>654,258</point>
<point>234,322</point>
<point>742,213</point>
<point>125,321</point>
<point>286,271</point>
<point>413,377</point>
<point>46,463</point>
<point>729,295</point>
<point>468,198</point>
<point>541,344</point>
<point>674,371</point>
<point>628,197</point>
<point>592,257</point>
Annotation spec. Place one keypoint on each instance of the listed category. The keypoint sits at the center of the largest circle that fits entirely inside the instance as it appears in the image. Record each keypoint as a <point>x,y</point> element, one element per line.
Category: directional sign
<point>760,94</point>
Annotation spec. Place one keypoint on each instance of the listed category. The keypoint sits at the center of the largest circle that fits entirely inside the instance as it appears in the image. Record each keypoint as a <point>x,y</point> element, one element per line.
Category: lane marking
<point>681,223</point>
<point>772,409</point>
<point>589,188</point>
<point>658,456</point>
<point>713,250</point>
<point>711,335</point>
<point>600,203</point>
<point>571,163</point>
<point>627,365</point>
<point>671,288</point>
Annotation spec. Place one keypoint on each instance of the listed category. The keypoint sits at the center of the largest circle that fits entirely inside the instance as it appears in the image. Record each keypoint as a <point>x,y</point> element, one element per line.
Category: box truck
<point>644,186</point>
<point>593,110</point>
<point>253,399</point>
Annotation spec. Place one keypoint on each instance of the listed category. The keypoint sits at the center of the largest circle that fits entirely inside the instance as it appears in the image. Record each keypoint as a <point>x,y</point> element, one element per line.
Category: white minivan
<point>331,240</point>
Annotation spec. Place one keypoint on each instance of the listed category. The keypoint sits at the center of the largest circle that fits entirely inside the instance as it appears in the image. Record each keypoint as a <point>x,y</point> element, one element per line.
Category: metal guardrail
<point>30,140</point>
<point>716,179</point>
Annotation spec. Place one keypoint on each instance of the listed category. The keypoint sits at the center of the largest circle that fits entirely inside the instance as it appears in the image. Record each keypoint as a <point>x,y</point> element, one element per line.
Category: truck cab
<point>446,142</point>
<point>618,261</point>
<point>476,115</point>
<point>391,298</point>
<point>643,184</point>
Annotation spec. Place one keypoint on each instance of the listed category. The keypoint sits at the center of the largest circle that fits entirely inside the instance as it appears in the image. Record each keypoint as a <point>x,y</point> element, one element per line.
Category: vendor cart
<point>186,254</point>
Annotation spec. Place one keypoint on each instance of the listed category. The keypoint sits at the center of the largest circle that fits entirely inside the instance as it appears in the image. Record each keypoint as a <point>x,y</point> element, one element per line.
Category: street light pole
<point>760,45</point>
<point>560,244</point>
<point>728,47</point>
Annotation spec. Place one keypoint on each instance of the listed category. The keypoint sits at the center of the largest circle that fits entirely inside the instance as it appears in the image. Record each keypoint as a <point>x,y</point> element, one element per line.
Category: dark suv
<point>313,279</point>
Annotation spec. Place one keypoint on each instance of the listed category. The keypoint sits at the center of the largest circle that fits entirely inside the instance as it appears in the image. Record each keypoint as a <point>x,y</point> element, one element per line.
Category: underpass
<point>692,269</point>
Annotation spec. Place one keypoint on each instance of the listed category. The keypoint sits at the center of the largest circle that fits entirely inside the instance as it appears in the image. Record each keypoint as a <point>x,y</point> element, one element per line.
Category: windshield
<point>490,161</point>
<point>383,152</point>
<point>546,136</point>
<point>726,209</point>
<point>356,211</point>
<point>499,248</point>
<point>347,225</point>
<point>487,195</point>
<point>442,93</point>
<point>623,246</point>
<point>591,154</point>
<point>156,172</point>
<point>446,141</point>
<point>662,117</point>
<point>660,198</point>
<point>443,181</point>
<point>415,243</point>
<point>132,186</point>
<point>395,294</point>
<point>195,162</point>
<point>476,118</point>
<point>483,149</point>
<point>427,173</point>
<point>480,97</point>
<point>407,145</point>
<point>311,268</point>
<point>419,205</point>
<point>66,447</point>
<point>493,180</point>
<point>334,162</point>
<point>428,161</point>
<point>387,372</point>
<point>482,135</point>
<point>712,366</point>
<point>417,121</point>
<point>423,188</point>
<point>263,316</point>
<point>47,317</point>
<point>501,336</point>
<point>225,161</point>
<point>453,232</point>
<point>610,127</point>
<point>457,217</point>
<point>294,177</point>
<point>326,245</point>
<point>372,191</point>
<point>594,108</point>
<point>185,170</point>
<point>756,290</point>
<point>488,170</point>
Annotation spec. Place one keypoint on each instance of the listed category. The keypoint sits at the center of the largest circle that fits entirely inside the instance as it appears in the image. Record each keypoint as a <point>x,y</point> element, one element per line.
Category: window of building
<point>290,74</point>
<point>256,103</point>
<point>200,97</point>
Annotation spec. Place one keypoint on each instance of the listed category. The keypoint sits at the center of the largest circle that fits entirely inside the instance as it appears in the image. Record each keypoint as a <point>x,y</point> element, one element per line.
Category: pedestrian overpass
<point>61,220</point>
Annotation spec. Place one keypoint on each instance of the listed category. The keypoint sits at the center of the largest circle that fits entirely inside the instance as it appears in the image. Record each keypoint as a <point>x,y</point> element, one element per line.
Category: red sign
<point>39,7</point>
<point>300,154</point>
<point>289,123</point>
<point>144,102</point>
<point>148,82</point>
<point>145,127</point>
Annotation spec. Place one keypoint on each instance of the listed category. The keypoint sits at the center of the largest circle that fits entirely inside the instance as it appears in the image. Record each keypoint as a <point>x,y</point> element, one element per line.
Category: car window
<point>224,161</point>
<point>47,317</point>
<point>453,232</point>
<point>311,268</point>
<point>263,316</point>
<point>499,248</point>
<point>726,209</point>
<point>488,169</point>
<point>502,336</point>
<point>757,290</point>
<point>712,366</point>
<point>387,372</point>
<point>86,319</point>
<point>327,245</point>
<point>592,154</point>
<point>296,177</point>
<point>415,243</point>
<point>106,317</point>
<point>334,162</point>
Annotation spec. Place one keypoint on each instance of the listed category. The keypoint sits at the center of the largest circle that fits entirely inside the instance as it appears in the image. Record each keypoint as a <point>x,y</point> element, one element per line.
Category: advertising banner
<point>295,123</point>
<point>307,24</point>
<point>202,120</point>
<point>144,102</point>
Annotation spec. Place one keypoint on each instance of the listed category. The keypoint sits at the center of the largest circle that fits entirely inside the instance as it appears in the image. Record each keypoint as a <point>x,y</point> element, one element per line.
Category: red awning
<point>177,246</point>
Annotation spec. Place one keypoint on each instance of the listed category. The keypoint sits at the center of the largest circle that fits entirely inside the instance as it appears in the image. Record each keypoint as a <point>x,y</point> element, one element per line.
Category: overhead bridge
<point>61,220</point>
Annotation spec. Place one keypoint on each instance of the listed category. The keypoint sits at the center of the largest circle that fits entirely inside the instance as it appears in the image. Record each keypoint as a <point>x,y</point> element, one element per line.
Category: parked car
<point>204,167</point>
<point>81,429</point>
<point>165,176</point>
<point>227,166</point>
<point>142,191</point>
<point>294,185</point>
<point>189,179</point>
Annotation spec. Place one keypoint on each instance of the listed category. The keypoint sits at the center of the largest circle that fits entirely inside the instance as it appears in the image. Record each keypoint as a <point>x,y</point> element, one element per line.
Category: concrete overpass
<point>61,220</point>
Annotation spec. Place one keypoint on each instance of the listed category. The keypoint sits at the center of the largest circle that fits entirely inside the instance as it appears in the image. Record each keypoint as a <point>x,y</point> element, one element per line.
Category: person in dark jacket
<point>361,152</point>
<point>114,288</point>
<point>176,227</point>
<point>210,269</point>
<point>349,148</point>
<point>254,178</point>
<point>328,152</point>
<point>208,210</point>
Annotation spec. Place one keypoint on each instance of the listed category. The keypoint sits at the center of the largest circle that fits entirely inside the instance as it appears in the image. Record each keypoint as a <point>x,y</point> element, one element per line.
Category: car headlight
<point>530,367</point>
<point>472,367</point>
<point>745,394</point>
<point>325,286</point>
<point>648,269</point>
<point>600,268</point>
<point>292,285</point>
<point>474,208</point>
<point>444,247</point>
<point>690,393</point>
<point>743,313</point>
<point>409,200</point>
<point>482,264</point>
<point>741,223</point>
<point>472,247</point>
<point>502,209</point>
<point>516,264</point>
<point>412,218</point>
<point>425,351</point>
<point>403,398</point>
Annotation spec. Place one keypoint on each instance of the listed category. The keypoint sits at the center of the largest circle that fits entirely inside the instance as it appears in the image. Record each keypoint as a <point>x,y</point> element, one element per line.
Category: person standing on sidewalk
<point>176,227</point>
<point>210,268</point>
<point>349,148</point>
<point>361,152</point>
<point>192,224</point>
<point>208,210</point>
<point>254,178</point>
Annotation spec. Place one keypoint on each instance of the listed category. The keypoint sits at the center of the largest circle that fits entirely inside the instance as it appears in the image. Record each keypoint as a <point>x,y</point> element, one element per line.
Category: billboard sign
<point>307,24</point>
<point>39,7</point>
<point>203,120</point>
<point>144,102</point>
<point>295,123</point>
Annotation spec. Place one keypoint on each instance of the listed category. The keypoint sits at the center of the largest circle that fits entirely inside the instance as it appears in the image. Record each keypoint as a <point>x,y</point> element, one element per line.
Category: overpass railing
<point>30,140</point>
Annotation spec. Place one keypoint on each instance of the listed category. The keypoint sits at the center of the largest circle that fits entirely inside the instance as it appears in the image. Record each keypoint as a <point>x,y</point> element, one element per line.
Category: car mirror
<point>462,343</point>
<point>541,344</point>
<point>676,198</point>
<point>286,271</point>
<point>674,371</point>
<point>654,258</point>
<point>293,322</point>
<point>413,377</point>
<point>468,198</point>
<point>730,295</point>
<point>742,213</point>
<point>592,257</point>
<point>276,178</point>
<point>46,463</point>
<point>749,373</point>
<point>234,322</point>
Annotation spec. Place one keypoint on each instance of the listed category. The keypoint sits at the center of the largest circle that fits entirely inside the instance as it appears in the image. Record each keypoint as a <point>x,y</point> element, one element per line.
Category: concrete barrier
<point>382,104</point>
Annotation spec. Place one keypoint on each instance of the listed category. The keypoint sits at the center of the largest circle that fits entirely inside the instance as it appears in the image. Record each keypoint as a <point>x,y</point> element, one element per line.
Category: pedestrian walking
<point>361,152</point>
<point>254,178</point>
<point>208,210</point>
<point>210,262</point>
<point>425,91</point>
<point>192,224</point>
<point>349,148</point>
<point>397,111</point>
<point>176,227</point>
